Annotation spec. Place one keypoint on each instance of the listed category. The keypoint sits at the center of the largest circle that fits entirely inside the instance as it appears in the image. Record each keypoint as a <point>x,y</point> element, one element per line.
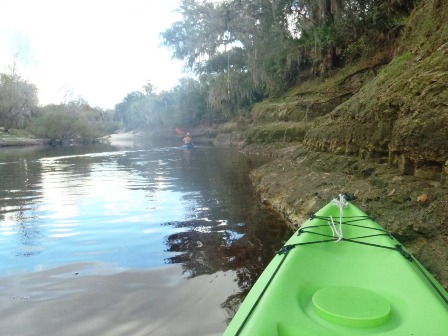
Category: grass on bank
<point>16,134</point>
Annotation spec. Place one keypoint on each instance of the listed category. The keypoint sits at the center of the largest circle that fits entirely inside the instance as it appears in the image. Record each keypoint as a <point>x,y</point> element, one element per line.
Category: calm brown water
<point>123,241</point>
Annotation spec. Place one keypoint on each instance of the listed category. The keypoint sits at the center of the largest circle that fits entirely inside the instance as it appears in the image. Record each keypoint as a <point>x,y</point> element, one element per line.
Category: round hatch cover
<point>351,306</point>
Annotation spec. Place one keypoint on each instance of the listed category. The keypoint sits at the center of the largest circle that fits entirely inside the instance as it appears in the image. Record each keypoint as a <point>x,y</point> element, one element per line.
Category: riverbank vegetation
<point>74,121</point>
<point>239,53</point>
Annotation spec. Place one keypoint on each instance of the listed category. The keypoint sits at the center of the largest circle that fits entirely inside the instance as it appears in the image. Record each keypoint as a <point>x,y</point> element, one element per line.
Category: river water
<point>107,240</point>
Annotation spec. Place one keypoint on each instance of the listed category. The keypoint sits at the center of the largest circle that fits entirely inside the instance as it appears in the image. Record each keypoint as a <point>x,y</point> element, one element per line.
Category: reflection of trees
<point>247,253</point>
<point>222,250</point>
<point>250,236</point>
<point>19,174</point>
<point>29,236</point>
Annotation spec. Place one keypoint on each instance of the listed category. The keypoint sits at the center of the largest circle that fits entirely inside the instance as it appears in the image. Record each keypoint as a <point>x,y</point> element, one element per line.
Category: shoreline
<point>297,182</point>
<point>22,142</point>
<point>29,140</point>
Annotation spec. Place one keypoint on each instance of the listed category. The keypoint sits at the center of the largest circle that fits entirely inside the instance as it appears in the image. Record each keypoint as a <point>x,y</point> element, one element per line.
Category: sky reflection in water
<point>136,209</point>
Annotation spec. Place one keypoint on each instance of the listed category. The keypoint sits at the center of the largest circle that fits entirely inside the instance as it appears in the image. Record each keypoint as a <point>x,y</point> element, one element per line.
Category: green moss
<point>426,28</point>
<point>277,132</point>
<point>395,68</point>
<point>16,133</point>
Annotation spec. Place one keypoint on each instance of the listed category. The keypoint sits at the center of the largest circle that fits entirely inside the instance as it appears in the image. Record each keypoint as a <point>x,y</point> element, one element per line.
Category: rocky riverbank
<point>377,129</point>
<point>298,181</point>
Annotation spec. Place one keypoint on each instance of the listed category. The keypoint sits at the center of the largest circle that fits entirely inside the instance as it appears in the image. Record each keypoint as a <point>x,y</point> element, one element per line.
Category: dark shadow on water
<point>235,232</point>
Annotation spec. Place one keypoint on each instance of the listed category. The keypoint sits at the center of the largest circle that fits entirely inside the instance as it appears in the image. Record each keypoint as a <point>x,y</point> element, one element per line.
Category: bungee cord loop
<point>341,203</point>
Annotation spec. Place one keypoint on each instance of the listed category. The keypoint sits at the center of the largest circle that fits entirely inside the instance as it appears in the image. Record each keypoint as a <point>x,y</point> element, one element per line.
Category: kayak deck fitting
<point>343,274</point>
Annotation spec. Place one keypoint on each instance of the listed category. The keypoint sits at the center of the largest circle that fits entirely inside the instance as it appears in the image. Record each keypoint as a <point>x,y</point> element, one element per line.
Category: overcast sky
<point>97,49</point>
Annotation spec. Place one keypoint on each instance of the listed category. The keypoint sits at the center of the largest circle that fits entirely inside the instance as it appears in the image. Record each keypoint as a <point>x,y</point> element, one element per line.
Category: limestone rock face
<point>401,115</point>
<point>402,118</point>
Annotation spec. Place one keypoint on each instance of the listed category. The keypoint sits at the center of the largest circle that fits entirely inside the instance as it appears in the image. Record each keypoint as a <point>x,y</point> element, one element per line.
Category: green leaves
<point>72,122</point>
<point>243,51</point>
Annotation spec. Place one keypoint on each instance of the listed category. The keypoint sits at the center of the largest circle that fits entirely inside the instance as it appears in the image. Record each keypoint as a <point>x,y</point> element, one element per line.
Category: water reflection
<point>136,209</point>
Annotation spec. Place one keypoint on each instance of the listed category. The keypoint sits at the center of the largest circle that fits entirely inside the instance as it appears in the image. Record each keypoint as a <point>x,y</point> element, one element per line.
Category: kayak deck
<point>359,281</point>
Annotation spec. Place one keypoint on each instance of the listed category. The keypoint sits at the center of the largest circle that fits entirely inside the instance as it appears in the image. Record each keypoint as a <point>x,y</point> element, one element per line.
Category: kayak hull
<point>364,284</point>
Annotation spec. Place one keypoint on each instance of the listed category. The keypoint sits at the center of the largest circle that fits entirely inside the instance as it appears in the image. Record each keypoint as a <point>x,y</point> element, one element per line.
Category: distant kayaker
<point>187,139</point>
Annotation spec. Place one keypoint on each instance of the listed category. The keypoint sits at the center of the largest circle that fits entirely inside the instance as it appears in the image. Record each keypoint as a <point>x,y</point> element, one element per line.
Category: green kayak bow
<point>343,274</point>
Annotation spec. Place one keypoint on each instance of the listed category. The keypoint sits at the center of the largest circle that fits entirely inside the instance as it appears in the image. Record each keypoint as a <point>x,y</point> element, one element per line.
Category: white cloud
<point>102,49</point>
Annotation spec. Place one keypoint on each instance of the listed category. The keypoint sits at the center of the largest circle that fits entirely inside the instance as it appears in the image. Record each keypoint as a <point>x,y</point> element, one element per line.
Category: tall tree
<point>244,50</point>
<point>141,109</point>
<point>18,99</point>
<point>190,104</point>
